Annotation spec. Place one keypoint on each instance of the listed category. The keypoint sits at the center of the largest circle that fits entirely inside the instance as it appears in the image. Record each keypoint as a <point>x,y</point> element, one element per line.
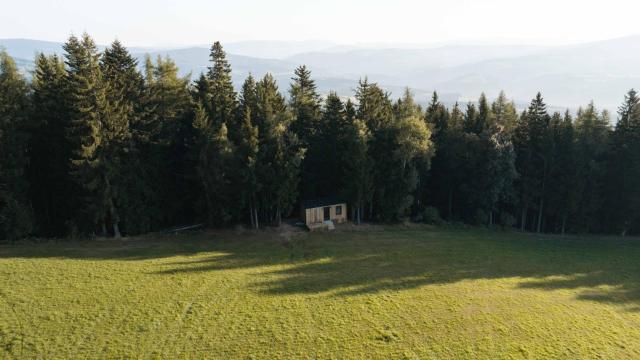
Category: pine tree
<point>405,139</point>
<point>444,176</point>
<point>531,140</point>
<point>170,151</point>
<point>305,104</point>
<point>216,156</point>
<point>592,139</point>
<point>223,97</point>
<point>499,170</point>
<point>246,152</point>
<point>491,162</point>
<point>122,159</point>
<point>504,112</point>
<point>328,146</point>
<point>436,117</point>
<point>15,211</point>
<point>623,172</point>
<point>52,191</point>
<point>562,192</point>
<point>280,155</point>
<point>357,167</point>
<point>88,108</point>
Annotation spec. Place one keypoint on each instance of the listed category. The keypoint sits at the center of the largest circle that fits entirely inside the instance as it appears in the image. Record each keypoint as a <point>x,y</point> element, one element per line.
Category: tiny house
<point>319,214</point>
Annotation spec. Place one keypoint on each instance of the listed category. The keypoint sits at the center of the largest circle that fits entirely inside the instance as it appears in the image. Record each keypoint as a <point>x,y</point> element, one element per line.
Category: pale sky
<point>189,22</point>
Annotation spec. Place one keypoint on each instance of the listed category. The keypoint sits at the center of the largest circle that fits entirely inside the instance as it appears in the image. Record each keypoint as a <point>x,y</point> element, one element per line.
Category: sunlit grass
<point>381,293</point>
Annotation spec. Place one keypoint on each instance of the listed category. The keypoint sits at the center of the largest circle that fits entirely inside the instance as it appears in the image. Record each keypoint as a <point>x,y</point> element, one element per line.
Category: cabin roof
<point>324,201</point>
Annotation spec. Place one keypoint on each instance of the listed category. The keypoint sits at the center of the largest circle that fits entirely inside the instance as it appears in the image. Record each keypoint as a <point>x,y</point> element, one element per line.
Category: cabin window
<point>339,210</point>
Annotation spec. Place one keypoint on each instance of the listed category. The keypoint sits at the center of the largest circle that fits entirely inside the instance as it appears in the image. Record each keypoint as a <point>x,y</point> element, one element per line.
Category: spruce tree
<point>223,97</point>
<point>169,115</point>
<point>304,102</point>
<point>592,132</point>
<point>623,171</point>
<point>216,157</point>
<point>88,108</point>
<point>562,194</point>
<point>52,191</point>
<point>399,143</point>
<point>357,166</point>
<point>280,155</point>
<point>328,147</point>
<point>246,152</point>
<point>442,180</point>
<point>531,140</point>
<point>129,172</point>
<point>16,219</point>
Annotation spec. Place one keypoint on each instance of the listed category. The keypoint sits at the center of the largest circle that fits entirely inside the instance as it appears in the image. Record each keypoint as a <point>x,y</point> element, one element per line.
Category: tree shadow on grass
<point>603,270</point>
<point>599,269</point>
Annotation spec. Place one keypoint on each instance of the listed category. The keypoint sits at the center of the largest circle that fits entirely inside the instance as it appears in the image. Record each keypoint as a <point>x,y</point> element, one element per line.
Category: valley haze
<point>569,76</point>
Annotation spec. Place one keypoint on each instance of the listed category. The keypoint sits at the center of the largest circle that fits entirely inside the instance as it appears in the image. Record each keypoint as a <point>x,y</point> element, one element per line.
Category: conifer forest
<point>92,143</point>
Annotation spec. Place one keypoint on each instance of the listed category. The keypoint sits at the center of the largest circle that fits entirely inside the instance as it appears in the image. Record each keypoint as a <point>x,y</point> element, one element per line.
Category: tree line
<point>93,145</point>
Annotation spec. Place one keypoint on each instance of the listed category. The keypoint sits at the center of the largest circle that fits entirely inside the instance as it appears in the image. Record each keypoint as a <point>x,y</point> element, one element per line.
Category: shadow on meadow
<point>350,263</point>
<point>600,269</point>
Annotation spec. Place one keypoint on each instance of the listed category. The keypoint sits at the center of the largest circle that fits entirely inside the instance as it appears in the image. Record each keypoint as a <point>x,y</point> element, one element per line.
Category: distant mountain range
<point>568,76</point>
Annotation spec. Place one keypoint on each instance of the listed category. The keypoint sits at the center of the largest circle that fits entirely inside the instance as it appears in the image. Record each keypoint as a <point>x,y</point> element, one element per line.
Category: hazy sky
<point>187,22</point>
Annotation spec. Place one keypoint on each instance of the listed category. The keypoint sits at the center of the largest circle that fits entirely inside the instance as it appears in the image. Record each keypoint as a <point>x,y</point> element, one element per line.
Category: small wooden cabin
<point>320,214</point>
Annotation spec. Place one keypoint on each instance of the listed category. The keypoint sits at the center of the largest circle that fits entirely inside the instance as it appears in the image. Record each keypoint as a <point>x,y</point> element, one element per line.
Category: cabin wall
<point>316,215</point>
<point>339,218</point>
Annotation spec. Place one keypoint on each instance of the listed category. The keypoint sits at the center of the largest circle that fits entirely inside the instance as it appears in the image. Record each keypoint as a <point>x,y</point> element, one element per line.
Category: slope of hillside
<point>568,76</point>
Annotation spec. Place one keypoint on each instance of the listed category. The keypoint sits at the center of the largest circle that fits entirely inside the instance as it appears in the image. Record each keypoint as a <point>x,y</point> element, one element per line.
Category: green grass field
<point>380,293</point>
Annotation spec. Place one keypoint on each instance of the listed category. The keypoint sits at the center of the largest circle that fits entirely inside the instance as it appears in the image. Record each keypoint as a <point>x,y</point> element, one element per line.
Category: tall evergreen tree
<point>446,176</point>
<point>223,96</point>
<point>405,139</point>
<point>88,109</point>
<point>131,201</point>
<point>216,157</point>
<point>531,141</point>
<point>357,166</point>
<point>623,172</point>
<point>52,191</point>
<point>280,155</point>
<point>247,150</point>
<point>592,131</point>
<point>328,147</point>
<point>171,147</point>
<point>15,211</point>
<point>304,102</point>
<point>562,192</point>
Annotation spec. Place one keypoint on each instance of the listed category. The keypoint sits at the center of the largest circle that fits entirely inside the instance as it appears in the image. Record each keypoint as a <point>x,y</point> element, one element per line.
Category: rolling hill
<point>568,76</point>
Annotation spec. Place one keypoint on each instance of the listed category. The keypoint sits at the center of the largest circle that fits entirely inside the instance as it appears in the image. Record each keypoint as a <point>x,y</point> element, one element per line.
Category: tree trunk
<point>115,220</point>
<point>255,214</point>
<point>540,215</point>
<point>358,214</point>
<point>116,230</point>
<point>278,217</point>
<point>251,219</point>
<point>450,216</point>
<point>564,223</point>
<point>523,218</point>
<point>490,218</point>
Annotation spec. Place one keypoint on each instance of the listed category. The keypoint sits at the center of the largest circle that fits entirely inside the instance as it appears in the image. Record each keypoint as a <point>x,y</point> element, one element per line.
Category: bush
<point>431,216</point>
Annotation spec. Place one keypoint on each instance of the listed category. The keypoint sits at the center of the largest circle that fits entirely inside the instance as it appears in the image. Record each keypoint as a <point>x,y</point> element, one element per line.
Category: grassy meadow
<point>377,293</point>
